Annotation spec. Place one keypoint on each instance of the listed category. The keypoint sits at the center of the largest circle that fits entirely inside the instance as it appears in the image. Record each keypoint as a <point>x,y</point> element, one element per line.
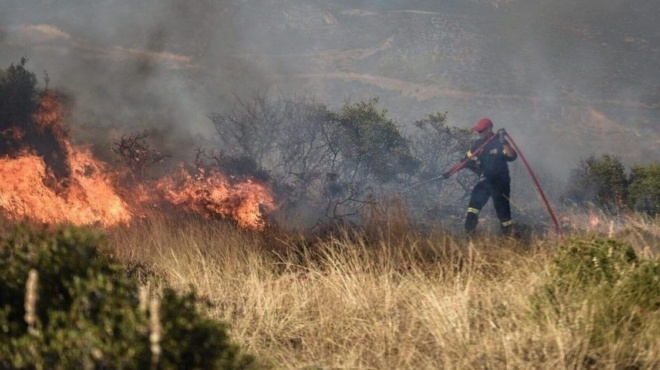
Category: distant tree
<point>282,139</point>
<point>371,145</point>
<point>21,104</point>
<point>18,102</point>
<point>251,129</point>
<point>644,188</point>
<point>600,181</point>
<point>369,155</point>
<point>437,147</point>
<point>331,160</point>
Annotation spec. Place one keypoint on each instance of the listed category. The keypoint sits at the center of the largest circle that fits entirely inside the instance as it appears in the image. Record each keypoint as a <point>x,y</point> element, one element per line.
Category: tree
<point>372,145</point>
<point>600,181</point>
<point>137,154</point>
<point>251,129</point>
<point>438,146</point>
<point>18,102</point>
<point>31,120</point>
<point>321,157</point>
<point>369,154</point>
<point>644,188</point>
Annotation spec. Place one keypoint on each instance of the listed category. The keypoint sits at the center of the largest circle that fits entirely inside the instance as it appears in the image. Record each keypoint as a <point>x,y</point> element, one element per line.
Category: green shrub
<point>630,311</point>
<point>600,181</point>
<point>583,264</point>
<point>644,188</point>
<point>583,271</point>
<point>372,144</point>
<point>88,312</point>
<point>600,288</point>
<point>639,292</point>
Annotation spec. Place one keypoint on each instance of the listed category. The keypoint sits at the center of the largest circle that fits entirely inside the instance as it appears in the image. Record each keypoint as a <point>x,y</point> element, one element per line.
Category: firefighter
<point>491,164</point>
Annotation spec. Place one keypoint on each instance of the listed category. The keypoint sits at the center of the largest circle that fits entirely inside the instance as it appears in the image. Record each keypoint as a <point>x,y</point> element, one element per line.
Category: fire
<point>211,194</point>
<point>53,181</point>
<point>50,181</point>
<point>594,221</point>
<point>89,199</point>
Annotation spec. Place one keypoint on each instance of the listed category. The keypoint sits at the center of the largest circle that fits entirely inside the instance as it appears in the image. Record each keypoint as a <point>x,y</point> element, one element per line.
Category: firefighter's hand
<point>502,133</point>
<point>446,175</point>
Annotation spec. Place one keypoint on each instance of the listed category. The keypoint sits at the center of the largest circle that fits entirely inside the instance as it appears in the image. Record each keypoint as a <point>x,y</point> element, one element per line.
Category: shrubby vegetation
<point>339,161</point>
<point>602,287</point>
<point>326,164</point>
<point>19,102</point>
<point>604,183</point>
<point>644,188</point>
<point>65,305</point>
<point>393,298</point>
<point>390,298</point>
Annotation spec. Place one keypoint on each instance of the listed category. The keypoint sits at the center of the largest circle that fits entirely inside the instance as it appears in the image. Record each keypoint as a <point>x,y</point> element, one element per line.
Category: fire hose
<point>457,167</point>
<point>538,186</point>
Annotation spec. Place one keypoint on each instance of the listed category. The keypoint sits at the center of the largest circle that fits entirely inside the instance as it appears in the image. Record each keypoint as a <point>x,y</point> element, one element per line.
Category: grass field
<point>390,298</point>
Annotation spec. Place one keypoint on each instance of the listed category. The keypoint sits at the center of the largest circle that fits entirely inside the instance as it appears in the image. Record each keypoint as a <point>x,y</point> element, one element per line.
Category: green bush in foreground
<point>581,265</point>
<point>600,288</point>
<point>64,305</point>
<point>583,268</point>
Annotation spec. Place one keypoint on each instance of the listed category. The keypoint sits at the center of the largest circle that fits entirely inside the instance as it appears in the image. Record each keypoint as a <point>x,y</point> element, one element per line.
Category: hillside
<point>582,77</point>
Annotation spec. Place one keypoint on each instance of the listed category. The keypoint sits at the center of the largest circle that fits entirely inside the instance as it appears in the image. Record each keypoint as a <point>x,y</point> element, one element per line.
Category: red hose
<point>538,186</point>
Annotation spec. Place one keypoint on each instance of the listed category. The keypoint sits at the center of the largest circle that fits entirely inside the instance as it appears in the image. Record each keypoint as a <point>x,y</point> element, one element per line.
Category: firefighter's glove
<point>502,133</point>
<point>446,175</point>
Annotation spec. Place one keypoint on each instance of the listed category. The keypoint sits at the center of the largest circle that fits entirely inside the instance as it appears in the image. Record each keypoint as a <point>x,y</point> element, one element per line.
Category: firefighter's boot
<point>507,228</point>
<point>471,221</point>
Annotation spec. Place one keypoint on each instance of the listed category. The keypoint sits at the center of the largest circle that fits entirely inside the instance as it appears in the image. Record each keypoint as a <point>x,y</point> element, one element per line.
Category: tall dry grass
<point>386,298</point>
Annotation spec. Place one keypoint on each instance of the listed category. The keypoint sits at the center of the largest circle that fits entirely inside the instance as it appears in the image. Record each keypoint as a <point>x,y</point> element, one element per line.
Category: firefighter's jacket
<point>491,162</point>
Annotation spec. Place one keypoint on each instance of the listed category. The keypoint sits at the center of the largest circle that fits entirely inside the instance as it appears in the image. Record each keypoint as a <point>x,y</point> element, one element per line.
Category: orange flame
<point>593,219</point>
<point>29,189</point>
<point>90,199</point>
<point>50,115</point>
<point>211,194</point>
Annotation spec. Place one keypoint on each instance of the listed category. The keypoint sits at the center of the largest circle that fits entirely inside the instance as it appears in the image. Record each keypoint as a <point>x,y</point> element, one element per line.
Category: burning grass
<point>390,297</point>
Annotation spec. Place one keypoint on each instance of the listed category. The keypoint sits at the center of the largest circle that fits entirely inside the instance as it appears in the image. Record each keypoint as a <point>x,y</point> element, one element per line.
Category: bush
<point>372,143</point>
<point>640,291</point>
<point>581,264</point>
<point>600,181</point>
<point>644,188</point>
<point>599,287</point>
<point>87,312</point>
<point>583,271</point>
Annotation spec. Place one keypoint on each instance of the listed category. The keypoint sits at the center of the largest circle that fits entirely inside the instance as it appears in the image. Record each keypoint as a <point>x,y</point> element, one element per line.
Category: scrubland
<point>387,296</point>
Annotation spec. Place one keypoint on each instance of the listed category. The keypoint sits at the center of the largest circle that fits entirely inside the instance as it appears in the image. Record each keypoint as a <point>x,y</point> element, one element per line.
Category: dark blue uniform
<point>491,164</point>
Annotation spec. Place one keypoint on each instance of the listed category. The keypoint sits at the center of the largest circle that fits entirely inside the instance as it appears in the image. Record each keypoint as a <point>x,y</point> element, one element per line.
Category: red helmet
<point>483,124</point>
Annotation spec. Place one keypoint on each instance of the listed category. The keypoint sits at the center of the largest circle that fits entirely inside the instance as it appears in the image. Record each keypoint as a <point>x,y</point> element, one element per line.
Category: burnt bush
<point>138,154</point>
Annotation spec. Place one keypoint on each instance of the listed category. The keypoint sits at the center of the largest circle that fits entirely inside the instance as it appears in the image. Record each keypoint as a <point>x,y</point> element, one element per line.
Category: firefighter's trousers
<point>499,188</point>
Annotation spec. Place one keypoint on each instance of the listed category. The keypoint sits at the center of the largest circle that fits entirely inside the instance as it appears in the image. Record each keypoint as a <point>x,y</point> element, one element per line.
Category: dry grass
<point>394,300</point>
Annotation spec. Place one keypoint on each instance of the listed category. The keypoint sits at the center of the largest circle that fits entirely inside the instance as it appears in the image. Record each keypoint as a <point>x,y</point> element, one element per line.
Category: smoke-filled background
<point>566,78</point>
